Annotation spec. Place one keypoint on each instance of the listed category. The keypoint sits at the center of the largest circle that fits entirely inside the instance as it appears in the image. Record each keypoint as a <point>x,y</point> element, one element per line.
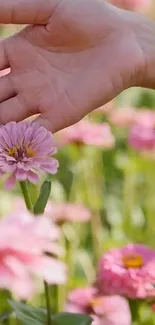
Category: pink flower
<point>23,243</point>
<point>145,117</point>
<point>128,271</point>
<point>142,138</point>
<point>134,5</point>
<point>25,149</point>
<point>60,212</point>
<point>105,310</point>
<point>88,133</point>
<point>122,117</point>
<point>70,212</point>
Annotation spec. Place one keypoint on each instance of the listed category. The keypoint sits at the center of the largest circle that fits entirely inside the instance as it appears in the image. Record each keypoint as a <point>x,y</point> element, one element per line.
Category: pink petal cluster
<point>25,150</point>
<point>88,133</point>
<point>60,212</point>
<point>128,271</point>
<point>23,243</point>
<point>70,212</point>
<point>113,310</point>
<point>122,117</point>
<point>142,138</point>
<point>133,5</point>
<point>128,116</point>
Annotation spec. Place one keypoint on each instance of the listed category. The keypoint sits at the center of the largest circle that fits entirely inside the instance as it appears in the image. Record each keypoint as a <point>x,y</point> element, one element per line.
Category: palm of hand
<point>67,67</point>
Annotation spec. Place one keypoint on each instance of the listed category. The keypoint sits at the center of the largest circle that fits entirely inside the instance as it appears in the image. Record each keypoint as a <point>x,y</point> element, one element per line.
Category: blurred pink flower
<point>128,271</point>
<point>26,148</point>
<point>85,132</point>
<point>145,117</point>
<point>23,242</point>
<point>122,117</point>
<point>60,212</point>
<point>105,310</point>
<point>72,212</point>
<point>142,138</point>
<point>133,5</point>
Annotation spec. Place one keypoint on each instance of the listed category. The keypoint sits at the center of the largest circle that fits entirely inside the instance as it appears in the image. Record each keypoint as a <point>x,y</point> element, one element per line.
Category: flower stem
<point>46,288</point>
<point>26,195</point>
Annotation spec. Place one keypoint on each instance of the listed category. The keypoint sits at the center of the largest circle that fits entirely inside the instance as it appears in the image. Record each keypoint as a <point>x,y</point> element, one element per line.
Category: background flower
<point>23,243</point>
<point>134,5</point>
<point>128,271</point>
<point>142,138</point>
<point>89,133</point>
<point>25,149</point>
<point>105,310</point>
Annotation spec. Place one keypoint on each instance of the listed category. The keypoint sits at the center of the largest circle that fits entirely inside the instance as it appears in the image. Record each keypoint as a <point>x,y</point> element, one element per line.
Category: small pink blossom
<point>25,150</point>
<point>142,138</point>
<point>88,133</point>
<point>105,310</point>
<point>122,117</point>
<point>60,212</point>
<point>23,243</point>
<point>145,117</point>
<point>70,212</point>
<point>128,271</point>
<point>133,5</point>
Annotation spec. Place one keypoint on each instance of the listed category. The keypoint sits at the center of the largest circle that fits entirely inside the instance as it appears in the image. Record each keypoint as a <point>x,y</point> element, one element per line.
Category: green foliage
<point>37,316</point>
<point>43,197</point>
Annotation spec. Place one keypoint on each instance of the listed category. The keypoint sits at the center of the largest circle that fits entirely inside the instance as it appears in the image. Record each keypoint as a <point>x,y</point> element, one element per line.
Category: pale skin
<point>74,57</point>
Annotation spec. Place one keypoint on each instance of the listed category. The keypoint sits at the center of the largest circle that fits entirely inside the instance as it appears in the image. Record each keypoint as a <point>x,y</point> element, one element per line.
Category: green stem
<point>134,309</point>
<point>46,288</point>
<point>26,195</point>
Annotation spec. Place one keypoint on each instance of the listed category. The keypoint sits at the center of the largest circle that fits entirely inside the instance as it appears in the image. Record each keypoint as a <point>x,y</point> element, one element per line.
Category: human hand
<point>72,58</point>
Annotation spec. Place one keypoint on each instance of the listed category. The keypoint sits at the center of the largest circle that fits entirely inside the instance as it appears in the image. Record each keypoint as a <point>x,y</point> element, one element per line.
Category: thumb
<point>26,11</point>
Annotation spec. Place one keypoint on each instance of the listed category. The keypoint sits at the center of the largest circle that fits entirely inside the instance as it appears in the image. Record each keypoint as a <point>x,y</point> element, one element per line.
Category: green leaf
<point>37,316</point>
<point>27,314</point>
<point>43,198</point>
<point>72,319</point>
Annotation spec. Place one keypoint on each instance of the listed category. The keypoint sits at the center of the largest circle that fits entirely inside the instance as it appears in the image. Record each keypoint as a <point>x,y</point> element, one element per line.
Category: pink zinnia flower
<point>70,212</point>
<point>128,271</point>
<point>25,149</point>
<point>88,133</point>
<point>122,117</point>
<point>105,310</point>
<point>145,117</point>
<point>133,5</point>
<point>23,243</point>
<point>60,212</point>
<point>142,138</point>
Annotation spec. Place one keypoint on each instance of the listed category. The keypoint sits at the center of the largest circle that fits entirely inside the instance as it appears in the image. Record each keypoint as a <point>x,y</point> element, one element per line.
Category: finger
<point>14,109</point>
<point>4,62</point>
<point>6,89</point>
<point>25,11</point>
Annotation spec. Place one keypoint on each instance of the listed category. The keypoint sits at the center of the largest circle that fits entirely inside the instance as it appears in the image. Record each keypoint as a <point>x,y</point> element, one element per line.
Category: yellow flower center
<point>95,302</point>
<point>133,261</point>
<point>12,151</point>
<point>19,153</point>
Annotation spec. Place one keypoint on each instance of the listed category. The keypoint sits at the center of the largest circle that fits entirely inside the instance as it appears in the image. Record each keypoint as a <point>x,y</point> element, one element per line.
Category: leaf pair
<point>29,315</point>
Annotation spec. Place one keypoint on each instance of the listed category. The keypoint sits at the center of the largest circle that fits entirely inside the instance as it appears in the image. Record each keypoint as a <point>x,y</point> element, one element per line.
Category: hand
<point>72,58</point>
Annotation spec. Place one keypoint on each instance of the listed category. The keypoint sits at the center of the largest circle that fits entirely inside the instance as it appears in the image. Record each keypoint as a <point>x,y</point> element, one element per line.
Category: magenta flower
<point>142,138</point>
<point>133,5</point>
<point>23,242</point>
<point>105,310</point>
<point>128,271</point>
<point>25,150</point>
<point>88,133</point>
